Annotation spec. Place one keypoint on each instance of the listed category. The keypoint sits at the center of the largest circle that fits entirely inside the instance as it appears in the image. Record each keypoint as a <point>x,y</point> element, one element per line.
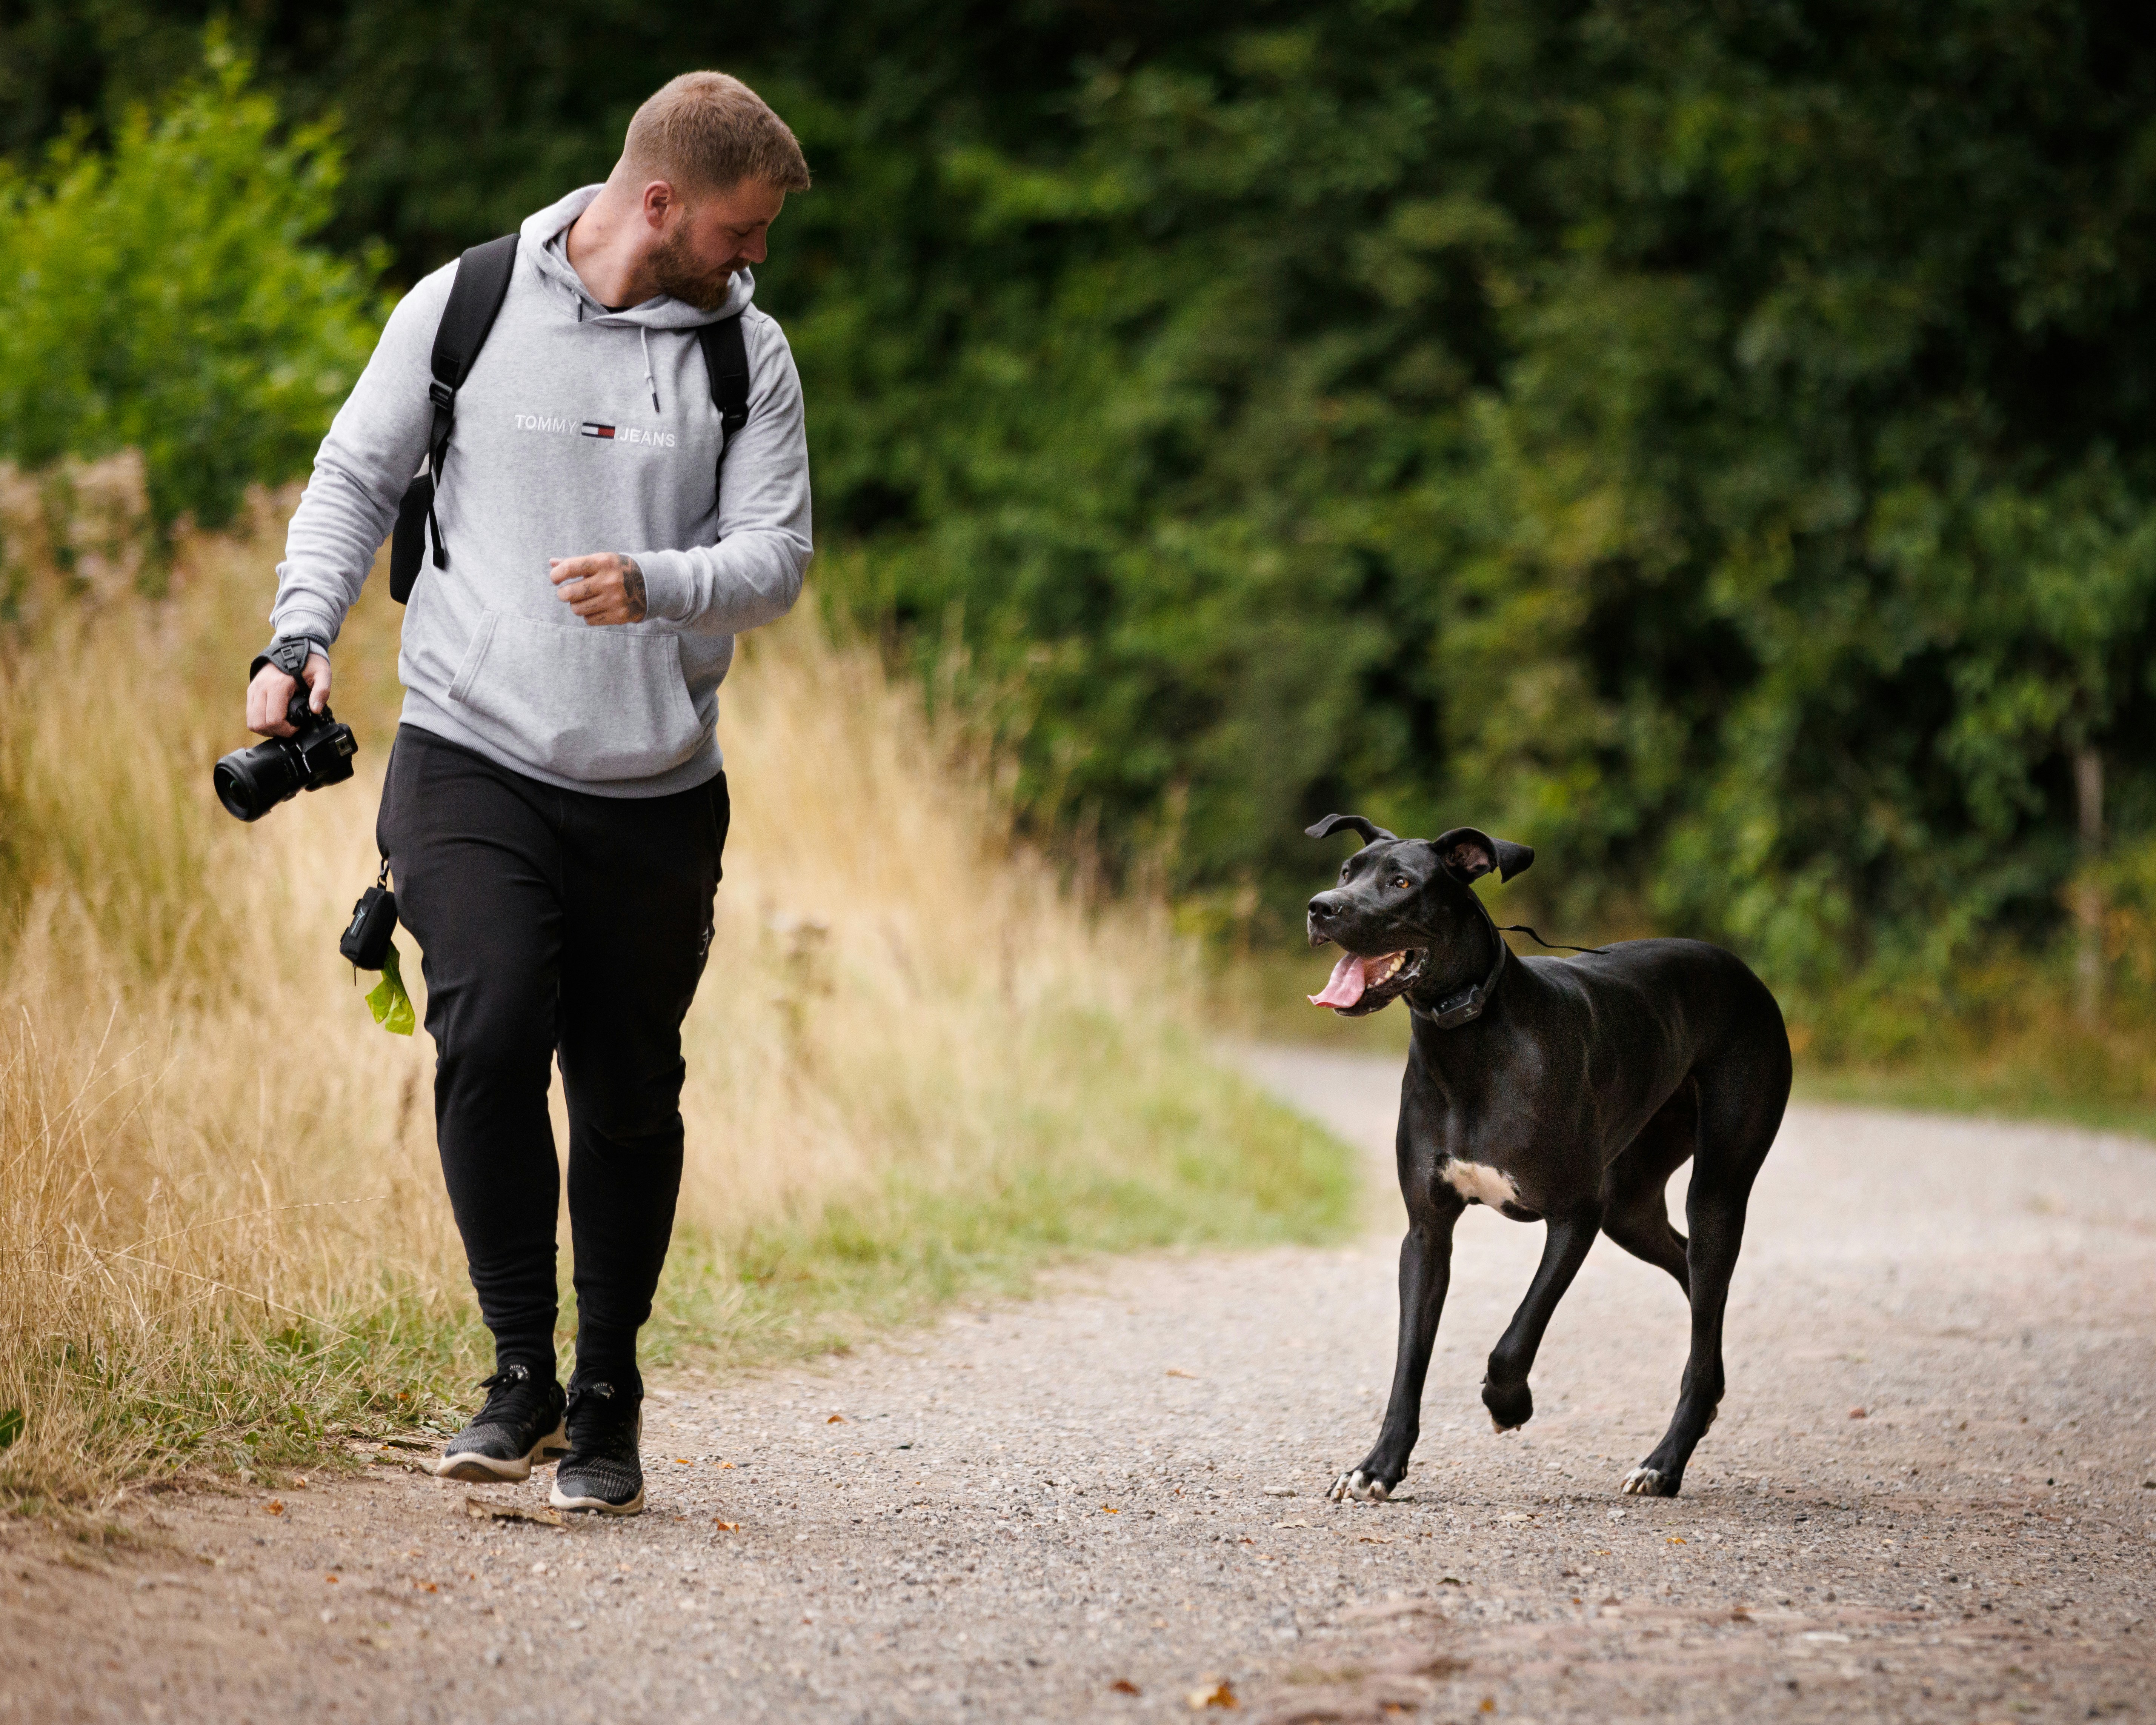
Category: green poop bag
<point>387,1001</point>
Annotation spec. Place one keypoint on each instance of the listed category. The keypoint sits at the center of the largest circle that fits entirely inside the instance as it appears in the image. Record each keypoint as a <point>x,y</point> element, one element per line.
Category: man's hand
<point>271,692</point>
<point>603,588</point>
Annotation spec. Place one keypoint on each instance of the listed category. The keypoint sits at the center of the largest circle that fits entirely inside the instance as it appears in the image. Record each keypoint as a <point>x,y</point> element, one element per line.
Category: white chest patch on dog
<point>1480,1183</point>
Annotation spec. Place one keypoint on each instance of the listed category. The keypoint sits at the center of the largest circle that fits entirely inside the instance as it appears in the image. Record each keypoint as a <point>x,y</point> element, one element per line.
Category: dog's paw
<point>1356,1483</point>
<point>1648,1482</point>
<point>1511,1405</point>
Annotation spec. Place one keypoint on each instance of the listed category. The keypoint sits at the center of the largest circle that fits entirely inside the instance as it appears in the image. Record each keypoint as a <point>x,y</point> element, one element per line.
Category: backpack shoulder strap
<point>476,292</point>
<point>726,358</point>
<point>475,297</point>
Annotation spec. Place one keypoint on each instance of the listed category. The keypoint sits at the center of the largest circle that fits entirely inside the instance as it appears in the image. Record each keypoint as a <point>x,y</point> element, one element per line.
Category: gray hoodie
<point>577,430</point>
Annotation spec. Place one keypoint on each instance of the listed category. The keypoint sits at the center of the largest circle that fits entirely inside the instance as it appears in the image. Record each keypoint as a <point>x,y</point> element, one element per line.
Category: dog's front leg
<point>1425,1273</point>
<point>1505,1391</point>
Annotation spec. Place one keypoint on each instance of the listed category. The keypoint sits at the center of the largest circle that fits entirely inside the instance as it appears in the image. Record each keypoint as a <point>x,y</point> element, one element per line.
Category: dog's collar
<point>1470,1003</point>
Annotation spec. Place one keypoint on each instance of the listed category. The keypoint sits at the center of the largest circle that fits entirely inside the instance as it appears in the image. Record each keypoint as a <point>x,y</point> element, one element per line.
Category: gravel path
<point>1106,1503</point>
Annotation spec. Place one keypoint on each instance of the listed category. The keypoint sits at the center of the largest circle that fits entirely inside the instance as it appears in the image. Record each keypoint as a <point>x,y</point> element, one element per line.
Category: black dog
<point>1560,1090</point>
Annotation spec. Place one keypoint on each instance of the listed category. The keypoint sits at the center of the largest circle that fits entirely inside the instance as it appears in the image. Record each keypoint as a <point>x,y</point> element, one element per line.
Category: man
<point>555,805</point>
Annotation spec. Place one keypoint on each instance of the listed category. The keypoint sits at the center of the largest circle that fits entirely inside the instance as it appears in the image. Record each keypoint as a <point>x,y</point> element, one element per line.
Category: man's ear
<point>1370,830</point>
<point>1469,853</point>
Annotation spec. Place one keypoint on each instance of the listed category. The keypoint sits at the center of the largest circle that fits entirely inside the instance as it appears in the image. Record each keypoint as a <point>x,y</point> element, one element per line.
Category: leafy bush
<point>163,296</point>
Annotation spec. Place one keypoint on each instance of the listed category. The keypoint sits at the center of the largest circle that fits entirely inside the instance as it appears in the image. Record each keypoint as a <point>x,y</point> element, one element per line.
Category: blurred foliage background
<point>1711,443</point>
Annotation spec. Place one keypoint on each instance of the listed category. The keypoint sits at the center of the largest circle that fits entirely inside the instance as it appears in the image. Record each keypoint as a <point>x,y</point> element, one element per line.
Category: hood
<point>543,242</point>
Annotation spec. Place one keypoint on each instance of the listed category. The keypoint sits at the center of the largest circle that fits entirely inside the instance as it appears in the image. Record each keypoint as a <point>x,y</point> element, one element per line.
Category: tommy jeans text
<point>594,429</point>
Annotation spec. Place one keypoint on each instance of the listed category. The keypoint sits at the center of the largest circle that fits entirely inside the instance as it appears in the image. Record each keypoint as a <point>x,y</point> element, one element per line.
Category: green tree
<point>1709,445</point>
<point>166,295</point>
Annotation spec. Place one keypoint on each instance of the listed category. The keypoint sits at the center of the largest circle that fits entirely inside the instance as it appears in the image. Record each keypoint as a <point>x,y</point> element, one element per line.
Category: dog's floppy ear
<point>1370,830</point>
<point>1469,853</point>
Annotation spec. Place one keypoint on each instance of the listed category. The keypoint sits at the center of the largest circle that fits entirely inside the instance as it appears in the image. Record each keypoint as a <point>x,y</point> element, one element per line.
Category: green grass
<point>1202,1160</point>
<point>1209,1162</point>
<point>242,1404</point>
<point>2008,1092</point>
<point>2008,1042</point>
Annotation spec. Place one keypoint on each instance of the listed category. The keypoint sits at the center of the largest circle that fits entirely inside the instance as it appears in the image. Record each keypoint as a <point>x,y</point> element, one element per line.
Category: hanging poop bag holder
<point>368,943</point>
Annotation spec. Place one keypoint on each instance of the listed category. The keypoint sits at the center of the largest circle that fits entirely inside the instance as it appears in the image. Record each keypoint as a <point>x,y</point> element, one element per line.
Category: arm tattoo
<point>632,587</point>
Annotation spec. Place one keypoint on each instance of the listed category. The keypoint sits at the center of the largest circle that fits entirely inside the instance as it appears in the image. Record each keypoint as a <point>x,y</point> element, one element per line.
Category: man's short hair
<point>709,132</point>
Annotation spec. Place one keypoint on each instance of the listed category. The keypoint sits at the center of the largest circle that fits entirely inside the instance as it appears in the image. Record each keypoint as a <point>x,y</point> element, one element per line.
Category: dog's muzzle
<point>1361,981</point>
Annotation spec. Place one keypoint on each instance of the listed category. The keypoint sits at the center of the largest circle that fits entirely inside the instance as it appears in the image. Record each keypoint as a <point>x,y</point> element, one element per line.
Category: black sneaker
<point>519,1424</point>
<point>603,1470</point>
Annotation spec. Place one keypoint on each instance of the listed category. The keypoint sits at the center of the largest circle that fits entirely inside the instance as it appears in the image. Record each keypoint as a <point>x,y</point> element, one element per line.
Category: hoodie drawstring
<point>643,338</point>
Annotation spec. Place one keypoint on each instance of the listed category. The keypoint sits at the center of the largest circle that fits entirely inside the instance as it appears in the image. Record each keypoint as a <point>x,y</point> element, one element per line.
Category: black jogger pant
<point>555,922</point>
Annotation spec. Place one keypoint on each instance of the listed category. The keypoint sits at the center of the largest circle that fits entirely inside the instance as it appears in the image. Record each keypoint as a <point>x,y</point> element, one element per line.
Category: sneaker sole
<point>560,1500</point>
<point>490,1470</point>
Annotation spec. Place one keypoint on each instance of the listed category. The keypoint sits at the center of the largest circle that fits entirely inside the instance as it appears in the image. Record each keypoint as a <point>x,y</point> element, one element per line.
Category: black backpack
<point>475,297</point>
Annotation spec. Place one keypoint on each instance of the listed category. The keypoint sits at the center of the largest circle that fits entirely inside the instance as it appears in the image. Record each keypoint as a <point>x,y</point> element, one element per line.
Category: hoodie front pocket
<point>585,702</point>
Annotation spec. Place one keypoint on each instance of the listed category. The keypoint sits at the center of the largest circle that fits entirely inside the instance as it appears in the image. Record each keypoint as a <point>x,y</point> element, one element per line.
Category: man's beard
<point>679,276</point>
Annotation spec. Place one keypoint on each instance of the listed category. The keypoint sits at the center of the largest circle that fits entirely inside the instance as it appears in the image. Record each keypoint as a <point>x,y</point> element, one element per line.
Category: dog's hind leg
<point>1425,1275</point>
<point>1637,1213</point>
<point>1505,1391</point>
<point>1740,1111</point>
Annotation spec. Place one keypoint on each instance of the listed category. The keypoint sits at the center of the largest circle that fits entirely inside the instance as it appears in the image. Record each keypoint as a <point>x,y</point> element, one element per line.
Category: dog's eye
<point>1401,881</point>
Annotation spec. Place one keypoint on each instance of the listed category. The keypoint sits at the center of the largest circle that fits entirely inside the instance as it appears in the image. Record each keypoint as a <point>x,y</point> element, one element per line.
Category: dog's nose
<point>1324,907</point>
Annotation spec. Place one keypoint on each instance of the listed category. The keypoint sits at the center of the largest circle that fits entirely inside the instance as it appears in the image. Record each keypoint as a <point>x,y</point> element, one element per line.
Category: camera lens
<point>251,781</point>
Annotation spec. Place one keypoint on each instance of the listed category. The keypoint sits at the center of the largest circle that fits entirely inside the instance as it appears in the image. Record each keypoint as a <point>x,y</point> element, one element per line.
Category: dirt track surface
<point>1080,1508</point>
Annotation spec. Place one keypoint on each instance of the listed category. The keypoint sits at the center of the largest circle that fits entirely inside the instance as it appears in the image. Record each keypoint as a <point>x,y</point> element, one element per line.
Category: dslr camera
<point>251,781</point>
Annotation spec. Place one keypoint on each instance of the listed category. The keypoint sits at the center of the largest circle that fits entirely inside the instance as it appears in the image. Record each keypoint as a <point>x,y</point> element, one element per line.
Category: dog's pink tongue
<point>1346,985</point>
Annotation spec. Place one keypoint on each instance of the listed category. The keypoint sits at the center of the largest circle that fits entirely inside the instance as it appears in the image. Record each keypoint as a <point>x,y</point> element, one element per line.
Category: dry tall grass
<point>915,1063</point>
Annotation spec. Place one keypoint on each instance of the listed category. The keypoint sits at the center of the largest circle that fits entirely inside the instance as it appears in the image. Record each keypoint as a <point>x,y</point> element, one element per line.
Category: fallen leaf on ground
<point>1372,1539</point>
<point>480,1510</point>
<point>836,1419</point>
<point>726,1526</point>
<point>274,1506</point>
<point>1675,1539</point>
<point>1123,1686</point>
<point>1212,1695</point>
<point>1291,1524</point>
<point>1109,1509</point>
<point>1859,1413</point>
<point>1177,1372</point>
